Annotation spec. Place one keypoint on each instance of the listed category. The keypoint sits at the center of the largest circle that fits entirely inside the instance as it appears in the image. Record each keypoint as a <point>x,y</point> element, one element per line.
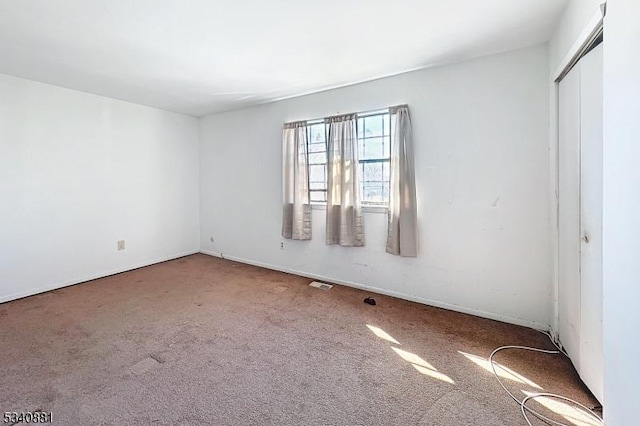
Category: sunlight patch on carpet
<point>413,358</point>
<point>382,334</point>
<point>571,413</point>
<point>501,370</point>
<point>434,374</point>
<point>423,366</point>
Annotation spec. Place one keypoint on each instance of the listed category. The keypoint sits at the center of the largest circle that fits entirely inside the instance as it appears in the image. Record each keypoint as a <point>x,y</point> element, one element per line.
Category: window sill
<point>365,208</point>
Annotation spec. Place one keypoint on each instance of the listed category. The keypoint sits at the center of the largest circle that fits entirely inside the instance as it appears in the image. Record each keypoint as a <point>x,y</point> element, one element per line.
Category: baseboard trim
<point>430,302</point>
<point>15,296</point>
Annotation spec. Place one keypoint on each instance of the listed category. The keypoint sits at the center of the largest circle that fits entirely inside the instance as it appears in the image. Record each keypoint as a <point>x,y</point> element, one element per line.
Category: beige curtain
<point>296,208</point>
<point>344,213</point>
<point>403,216</point>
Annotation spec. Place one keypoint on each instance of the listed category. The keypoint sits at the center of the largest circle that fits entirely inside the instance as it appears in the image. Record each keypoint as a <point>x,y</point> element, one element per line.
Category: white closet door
<point>591,357</point>
<point>569,214</point>
<point>580,218</point>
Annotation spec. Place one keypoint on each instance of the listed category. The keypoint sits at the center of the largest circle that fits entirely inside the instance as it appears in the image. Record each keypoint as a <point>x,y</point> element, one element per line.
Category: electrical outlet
<point>121,245</point>
<point>281,245</point>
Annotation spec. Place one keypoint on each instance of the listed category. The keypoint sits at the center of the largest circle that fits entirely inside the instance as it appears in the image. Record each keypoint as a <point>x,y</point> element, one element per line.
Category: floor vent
<point>321,286</point>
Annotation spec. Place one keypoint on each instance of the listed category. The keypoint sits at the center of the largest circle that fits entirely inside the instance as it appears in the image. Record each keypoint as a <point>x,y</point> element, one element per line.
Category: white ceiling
<point>204,56</point>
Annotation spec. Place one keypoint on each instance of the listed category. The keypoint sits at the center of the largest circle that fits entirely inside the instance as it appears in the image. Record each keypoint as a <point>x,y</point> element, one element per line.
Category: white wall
<point>79,172</point>
<point>621,256</point>
<point>481,133</point>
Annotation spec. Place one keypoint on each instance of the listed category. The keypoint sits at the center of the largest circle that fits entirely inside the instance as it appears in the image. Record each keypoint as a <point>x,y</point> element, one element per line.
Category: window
<point>317,149</point>
<point>374,150</point>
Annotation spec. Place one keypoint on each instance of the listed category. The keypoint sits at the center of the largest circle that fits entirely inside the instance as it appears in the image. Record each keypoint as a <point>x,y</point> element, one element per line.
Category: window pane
<point>372,148</point>
<point>317,147</point>
<point>375,182</point>
<point>318,196</point>
<point>373,192</point>
<point>392,125</point>
<point>317,186</point>
<point>386,149</point>
<point>317,173</point>
<point>372,172</point>
<point>373,126</point>
<point>317,158</point>
<point>317,133</point>
<point>386,125</point>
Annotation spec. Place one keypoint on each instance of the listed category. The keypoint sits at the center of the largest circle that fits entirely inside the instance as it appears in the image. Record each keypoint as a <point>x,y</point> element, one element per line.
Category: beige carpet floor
<point>201,340</point>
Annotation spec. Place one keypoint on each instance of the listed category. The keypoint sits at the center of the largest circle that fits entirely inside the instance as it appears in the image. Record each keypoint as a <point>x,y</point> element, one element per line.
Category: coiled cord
<point>523,407</point>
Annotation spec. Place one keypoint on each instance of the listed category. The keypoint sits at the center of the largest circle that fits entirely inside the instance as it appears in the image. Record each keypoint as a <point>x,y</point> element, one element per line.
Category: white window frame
<point>367,206</point>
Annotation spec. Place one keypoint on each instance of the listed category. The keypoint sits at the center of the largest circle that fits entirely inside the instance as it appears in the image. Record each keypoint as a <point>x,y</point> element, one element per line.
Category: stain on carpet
<point>147,364</point>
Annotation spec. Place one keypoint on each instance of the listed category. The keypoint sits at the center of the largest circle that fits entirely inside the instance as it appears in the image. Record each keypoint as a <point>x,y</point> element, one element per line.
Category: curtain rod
<point>377,109</point>
<point>357,113</point>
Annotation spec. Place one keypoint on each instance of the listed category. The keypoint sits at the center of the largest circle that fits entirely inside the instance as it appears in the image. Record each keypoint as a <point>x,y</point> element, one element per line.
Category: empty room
<point>319,213</point>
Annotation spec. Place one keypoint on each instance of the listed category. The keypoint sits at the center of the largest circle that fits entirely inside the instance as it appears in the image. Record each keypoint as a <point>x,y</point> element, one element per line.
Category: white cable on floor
<point>554,343</point>
<point>522,403</point>
<point>524,408</point>
<point>493,367</point>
